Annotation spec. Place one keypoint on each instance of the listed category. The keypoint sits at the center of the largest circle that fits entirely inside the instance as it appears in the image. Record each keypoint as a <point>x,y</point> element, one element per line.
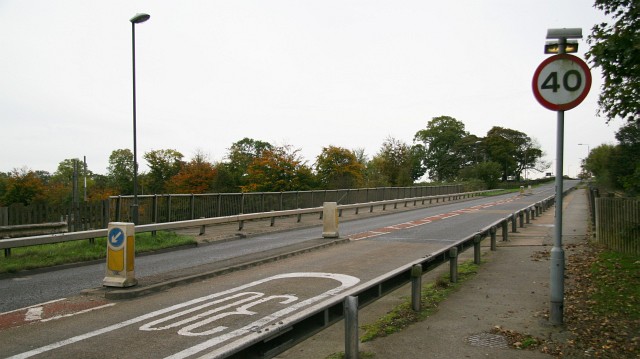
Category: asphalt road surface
<point>201,319</point>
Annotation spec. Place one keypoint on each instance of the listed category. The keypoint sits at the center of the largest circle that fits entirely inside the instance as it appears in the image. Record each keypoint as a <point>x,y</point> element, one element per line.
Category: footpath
<point>509,294</point>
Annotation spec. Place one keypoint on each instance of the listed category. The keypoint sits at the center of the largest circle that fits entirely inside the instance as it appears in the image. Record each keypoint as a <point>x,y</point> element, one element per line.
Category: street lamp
<point>588,152</point>
<point>137,19</point>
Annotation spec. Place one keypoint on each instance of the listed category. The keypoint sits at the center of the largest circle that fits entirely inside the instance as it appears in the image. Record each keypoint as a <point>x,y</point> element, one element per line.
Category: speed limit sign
<point>561,82</point>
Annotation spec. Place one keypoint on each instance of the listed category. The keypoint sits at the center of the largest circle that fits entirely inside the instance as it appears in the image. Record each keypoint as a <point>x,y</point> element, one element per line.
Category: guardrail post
<point>273,219</point>
<point>202,228</point>
<point>453,265</point>
<point>505,230</point>
<point>416,287</point>
<point>514,224</point>
<point>7,252</point>
<point>527,213</point>
<point>476,248</point>
<point>351,327</point>
<point>493,231</point>
<point>521,218</point>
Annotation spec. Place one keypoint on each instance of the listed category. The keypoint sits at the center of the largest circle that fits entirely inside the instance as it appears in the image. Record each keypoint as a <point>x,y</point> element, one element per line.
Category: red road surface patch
<point>51,311</point>
<point>419,222</point>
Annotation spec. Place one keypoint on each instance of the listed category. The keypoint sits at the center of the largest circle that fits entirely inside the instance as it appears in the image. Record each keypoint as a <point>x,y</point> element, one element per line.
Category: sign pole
<point>556,313</point>
<point>557,252</point>
<point>560,83</point>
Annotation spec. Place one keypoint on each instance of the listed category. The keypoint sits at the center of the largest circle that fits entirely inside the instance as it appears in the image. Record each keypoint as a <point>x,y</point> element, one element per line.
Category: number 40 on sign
<point>561,82</point>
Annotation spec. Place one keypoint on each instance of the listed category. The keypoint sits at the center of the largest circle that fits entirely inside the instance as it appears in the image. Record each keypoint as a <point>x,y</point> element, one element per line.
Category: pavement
<point>510,292</point>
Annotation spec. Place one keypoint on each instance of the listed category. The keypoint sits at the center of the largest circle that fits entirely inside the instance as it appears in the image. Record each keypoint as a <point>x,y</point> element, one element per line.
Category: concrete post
<point>527,214</point>
<point>514,223</point>
<point>521,218</point>
<point>330,220</point>
<point>416,287</point>
<point>351,327</point>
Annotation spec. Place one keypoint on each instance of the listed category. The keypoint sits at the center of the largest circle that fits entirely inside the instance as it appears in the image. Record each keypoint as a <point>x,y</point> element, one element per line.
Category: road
<point>191,320</point>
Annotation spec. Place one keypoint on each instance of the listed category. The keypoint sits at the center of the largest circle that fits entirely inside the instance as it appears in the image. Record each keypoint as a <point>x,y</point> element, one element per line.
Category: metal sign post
<point>560,83</point>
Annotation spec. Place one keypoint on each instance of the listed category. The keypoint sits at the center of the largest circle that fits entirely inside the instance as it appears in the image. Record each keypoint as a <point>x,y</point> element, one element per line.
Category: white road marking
<point>346,281</point>
<point>33,313</point>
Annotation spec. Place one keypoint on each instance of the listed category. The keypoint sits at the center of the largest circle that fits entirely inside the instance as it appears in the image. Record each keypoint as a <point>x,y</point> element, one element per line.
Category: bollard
<point>476,248</point>
<point>453,265</point>
<point>351,327</point>
<point>120,255</point>
<point>330,221</point>
<point>505,231</point>
<point>493,230</point>
<point>416,287</point>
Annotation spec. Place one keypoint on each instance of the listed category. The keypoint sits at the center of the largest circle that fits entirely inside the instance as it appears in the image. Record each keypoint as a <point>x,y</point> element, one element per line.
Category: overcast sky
<point>303,73</point>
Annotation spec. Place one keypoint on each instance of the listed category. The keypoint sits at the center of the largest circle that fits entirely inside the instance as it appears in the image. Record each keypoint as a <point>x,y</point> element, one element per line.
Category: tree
<point>23,186</point>
<point>338,167</point>
<point>441,140</point>
<point>598,162</point>
<point>196,176</point>
<point>487,172</point>
<point>163,164</point>
<point>61,184</point>
<point>241,155</point>
<point>513,150</point>
<point>120,171</point>
<point>397,162</point>
<point>278,169</point>
<point>614,48</point>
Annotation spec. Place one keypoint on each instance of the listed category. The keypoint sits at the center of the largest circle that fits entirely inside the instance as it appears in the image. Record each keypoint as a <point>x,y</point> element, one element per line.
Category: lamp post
<point>588,152</point>
<point>137,19</point>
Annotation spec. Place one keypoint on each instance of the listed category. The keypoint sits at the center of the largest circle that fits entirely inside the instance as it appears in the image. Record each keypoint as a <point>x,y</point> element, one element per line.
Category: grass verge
<point>48,255</point>
<point>403,315</point>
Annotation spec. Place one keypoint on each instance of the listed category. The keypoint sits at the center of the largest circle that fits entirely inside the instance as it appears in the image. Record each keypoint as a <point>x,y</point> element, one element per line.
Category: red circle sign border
<point>564,106</point>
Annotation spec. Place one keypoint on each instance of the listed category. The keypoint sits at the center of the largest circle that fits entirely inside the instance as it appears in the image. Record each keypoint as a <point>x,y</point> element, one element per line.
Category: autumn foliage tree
<point>195,176</point>
<point>23,186</point>
<point>338,167</point>
<point>278,169</point>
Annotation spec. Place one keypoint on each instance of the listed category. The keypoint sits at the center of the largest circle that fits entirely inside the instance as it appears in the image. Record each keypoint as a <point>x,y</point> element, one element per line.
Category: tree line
<point>444,151</point>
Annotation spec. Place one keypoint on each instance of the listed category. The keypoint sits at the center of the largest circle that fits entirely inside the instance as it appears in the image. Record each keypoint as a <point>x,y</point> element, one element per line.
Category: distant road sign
<point>561,82</point>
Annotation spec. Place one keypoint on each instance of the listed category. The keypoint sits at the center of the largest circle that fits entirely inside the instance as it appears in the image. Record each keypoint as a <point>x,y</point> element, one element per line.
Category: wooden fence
<point>617,222</point>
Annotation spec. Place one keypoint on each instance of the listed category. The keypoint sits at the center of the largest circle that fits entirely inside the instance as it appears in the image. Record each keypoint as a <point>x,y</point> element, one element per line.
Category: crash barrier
<point>288,332</point>
<point>26,230</point>
<point>7,244</point>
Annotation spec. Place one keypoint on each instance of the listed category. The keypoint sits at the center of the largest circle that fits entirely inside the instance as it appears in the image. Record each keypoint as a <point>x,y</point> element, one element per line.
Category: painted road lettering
<point>191,316</point>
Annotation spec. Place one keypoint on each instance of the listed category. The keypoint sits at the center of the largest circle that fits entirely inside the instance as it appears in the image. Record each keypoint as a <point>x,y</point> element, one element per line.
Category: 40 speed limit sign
<point>561,82</point>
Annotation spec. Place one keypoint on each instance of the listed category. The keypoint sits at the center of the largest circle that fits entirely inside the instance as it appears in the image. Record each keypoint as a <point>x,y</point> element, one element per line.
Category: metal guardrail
<point>290,331</point>
<point>7,244</point>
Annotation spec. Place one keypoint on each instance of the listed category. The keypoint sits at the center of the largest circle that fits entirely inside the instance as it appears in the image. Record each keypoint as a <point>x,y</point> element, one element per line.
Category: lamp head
<point>140,18</point>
